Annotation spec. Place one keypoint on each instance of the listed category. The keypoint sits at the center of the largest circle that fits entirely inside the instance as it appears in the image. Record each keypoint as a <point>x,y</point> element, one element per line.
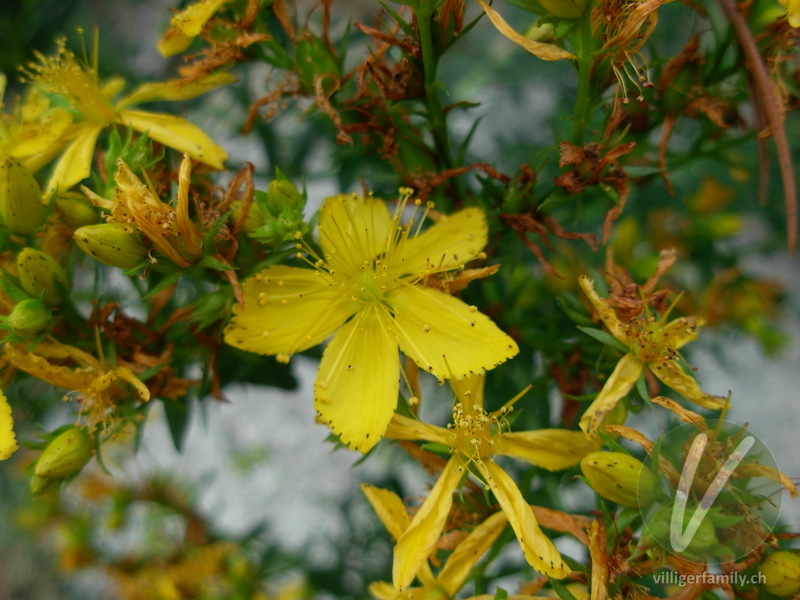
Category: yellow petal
<point>36,137</point>
<point>680,332</point>
<point>539,551</point>
<point>390,509</point>
<point>619,383</point>
<point>353,230</point>
<point>76,163</point>
<point>359,377</point>
<point>8,440</point>
<point>192,19</point>
<point>538,49</point>
<point>176,89</point>
<point>126,374</point>
<point>403,428</point>
<point>41,368</point>
<point>469,392</point>
<point>469,552</point>
<point>444,336</point>
<point>286,310</point>
<point>453,241</point>
<point>419,540</point>
<point>671,374</point>
<point>173,42</point>
<point>176,133</point>
<point>382,590</point>
<point>551,449</point>
<point>607,314</point>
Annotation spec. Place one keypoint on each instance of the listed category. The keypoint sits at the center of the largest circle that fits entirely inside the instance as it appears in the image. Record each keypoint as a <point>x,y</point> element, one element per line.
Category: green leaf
<point>500,594</point>
<point>177,415</point>
<point>561,590</point>
<point>604,338</point>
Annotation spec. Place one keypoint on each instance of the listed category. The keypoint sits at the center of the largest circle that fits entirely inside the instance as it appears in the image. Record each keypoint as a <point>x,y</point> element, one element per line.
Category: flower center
<point>370,285</point>
<point>471,433</point>
<point>650,344</point>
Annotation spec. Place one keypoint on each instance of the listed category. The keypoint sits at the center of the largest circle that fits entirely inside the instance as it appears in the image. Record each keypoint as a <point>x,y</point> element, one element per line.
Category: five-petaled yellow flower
<point>474,437</point>
<point>368,288</point>
<point>651,342</point>
<point>393,514</point>
<point>92,98</point>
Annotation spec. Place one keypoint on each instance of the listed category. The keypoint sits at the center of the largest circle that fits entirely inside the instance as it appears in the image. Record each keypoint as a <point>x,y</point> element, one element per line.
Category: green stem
<point>436,116</point>
<point>583,102</point>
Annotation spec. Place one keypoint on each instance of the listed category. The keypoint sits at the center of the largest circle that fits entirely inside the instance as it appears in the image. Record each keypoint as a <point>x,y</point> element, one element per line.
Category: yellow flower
<point>474,437</point>
<point>98,386</point>
<point>32,129</point>
<point>792,11</point>
<point>81,86</point>
<point>8,440</point>
<point>187,25</point>
<point>459,564</point>
<point>650,342</point>
<point>368,288</point>
<point>169,229</point>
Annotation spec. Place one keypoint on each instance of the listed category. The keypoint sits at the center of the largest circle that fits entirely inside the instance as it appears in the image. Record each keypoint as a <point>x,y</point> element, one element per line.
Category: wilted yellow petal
<point>538,49</point>
<point>460,563</point>
<point>680,332</point>
<point>389,508</point>
<point>175,89</point>
<point>607,314</point>
<point>453,241</point>
<point>76,163</point>
<point>444,336</point>
<point>539,551</point>
<point>619,383</point>
<point>358,381</point>
<point>352,231</point>
<point>551,449</point>
<point>403,428</point>
<point>671,374</point>
<point>8,440</point>
<point>286,310</point>
<point>173,42</point>
<point>41,368</point>
<point>419,540</point>
<point>176,133</point>
<point>126,374</point>
<point>192,19</point>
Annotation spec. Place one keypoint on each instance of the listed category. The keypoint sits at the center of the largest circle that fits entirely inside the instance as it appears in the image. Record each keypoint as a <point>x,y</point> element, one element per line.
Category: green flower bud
<point>252,221</point>
<point>75,210</point>
<point>29,317</point>
<point>112,244</point>
<point>615,476</point>
<point>659,523</point>
<point>41,276</point>
<point>781,570</point>
<point>39,485</point>
<point>67,454</point>
<point>283,194</point>
<point>21,205</point>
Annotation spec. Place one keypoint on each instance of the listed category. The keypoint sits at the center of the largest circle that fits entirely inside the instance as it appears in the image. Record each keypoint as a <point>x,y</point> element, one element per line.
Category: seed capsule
<point>782,573</point>
<point>29,317</point>
<point>112,244</point>
<point>21,206</point>
<point>41,276</point>
<point>67,454</point>
<point>615,476</point>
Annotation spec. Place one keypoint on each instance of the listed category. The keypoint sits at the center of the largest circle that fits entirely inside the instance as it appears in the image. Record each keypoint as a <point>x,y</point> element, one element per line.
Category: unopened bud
<point>781,570</point>
<point>252,221</point>
<point>615,476</point>
<point>41,276</point>
<point>39,485</point>
<point>282,194</point>
<point>660,525</point>
<point>112,244</point>
<point>21,205</point>
<point>29,317</point>
<point>66,454</point>
<point>75,210</point>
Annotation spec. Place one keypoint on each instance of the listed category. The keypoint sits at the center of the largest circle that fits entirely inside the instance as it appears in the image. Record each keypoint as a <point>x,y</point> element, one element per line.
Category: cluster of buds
<point>276,216</point>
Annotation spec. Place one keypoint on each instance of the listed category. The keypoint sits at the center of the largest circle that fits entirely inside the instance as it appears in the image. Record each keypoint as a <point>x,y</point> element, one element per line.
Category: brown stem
<point>772,112</point>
